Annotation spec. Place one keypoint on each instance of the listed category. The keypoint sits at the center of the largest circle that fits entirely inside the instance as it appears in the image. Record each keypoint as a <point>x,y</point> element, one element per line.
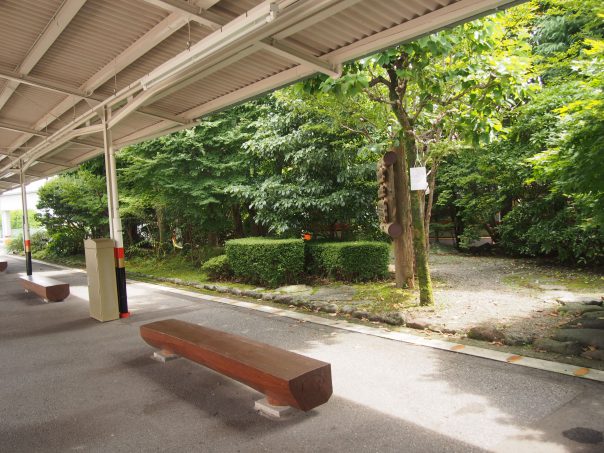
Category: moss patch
<point>574,280</point>
<point>383,297</point>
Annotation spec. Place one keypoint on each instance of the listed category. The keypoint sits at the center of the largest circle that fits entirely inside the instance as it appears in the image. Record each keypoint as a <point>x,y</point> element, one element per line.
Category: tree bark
<point>159,213</point>
<point>430,203</point>
<point>237,221</point>
<point>403,245</point>
<point>419,236</point>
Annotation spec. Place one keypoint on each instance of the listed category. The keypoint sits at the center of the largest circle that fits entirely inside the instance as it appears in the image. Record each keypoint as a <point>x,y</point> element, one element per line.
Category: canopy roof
<point>150,67</point>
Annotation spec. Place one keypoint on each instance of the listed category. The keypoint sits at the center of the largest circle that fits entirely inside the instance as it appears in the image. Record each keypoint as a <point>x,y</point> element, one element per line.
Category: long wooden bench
<point>286,378</point>
<point>49,289</point>
<point>3,266</point>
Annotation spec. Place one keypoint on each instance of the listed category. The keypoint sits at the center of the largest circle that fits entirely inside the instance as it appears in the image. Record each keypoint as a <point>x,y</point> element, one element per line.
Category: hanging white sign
<point>419,178</point>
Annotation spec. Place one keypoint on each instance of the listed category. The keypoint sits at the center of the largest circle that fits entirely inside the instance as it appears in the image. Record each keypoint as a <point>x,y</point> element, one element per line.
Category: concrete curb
<point>401,336</point>
<point>405,337</point>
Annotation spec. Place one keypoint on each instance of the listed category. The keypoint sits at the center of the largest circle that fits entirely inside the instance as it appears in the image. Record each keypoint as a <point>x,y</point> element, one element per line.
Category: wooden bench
<point>286,378</point>
<point>3,266</point>
<point>47,288</point>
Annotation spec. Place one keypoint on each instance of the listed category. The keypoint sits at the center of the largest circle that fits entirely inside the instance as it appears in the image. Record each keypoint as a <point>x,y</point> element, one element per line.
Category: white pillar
<point>115,222</point>
<point>26,239</point>
<point>6,230</point>
<point>107,139</point>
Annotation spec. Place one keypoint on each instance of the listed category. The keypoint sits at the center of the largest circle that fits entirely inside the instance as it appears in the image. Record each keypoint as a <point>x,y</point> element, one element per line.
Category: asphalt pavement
<point>70,383</point>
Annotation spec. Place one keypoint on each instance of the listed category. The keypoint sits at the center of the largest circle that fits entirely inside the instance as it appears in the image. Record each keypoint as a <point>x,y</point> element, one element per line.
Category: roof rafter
<point>241,33</point>
<point>190,12</point>
<point>53,30</point>
<point>283,50</point>
<point>148,41</point>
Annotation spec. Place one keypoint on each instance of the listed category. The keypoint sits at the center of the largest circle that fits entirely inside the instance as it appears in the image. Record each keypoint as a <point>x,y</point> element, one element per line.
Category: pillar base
<point>125,315</point>
<point>163,356</point>
<point>264,408</point>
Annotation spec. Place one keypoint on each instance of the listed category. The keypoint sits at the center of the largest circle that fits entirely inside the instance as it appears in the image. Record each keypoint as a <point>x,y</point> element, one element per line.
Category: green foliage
<point>217,268</point>
<point>177,185</point>
<point>270,262</point>
<point>306,170</point>
<point>73,207</point>
<point>39,240</point>
<point>544,177</point>
<point>15,245</point>
<point>348,261</point>
<point>552,226</point>
<point>16,219</point>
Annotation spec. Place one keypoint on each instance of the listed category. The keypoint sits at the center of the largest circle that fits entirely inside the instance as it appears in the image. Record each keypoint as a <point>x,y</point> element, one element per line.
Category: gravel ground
<point>471,291</point>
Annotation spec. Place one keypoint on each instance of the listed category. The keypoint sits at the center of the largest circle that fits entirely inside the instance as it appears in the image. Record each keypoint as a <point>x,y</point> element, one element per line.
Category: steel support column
<point>26,238</point>
<point>6,230</point>
<point>115,223</point>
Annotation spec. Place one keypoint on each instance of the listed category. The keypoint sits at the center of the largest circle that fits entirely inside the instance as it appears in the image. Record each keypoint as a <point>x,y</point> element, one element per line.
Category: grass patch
<point>77,261</point>
<point>383,297</point>
<point>170,267</point>
<point>574,280</point>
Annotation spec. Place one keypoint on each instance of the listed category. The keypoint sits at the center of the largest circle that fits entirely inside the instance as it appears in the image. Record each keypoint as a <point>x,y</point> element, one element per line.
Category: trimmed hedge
<point>218,267</point>
<point>268,262</point>
<point>348,261</point>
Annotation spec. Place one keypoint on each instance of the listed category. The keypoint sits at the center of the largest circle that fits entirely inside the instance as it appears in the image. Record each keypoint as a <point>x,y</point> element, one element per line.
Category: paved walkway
<point>71,383</point>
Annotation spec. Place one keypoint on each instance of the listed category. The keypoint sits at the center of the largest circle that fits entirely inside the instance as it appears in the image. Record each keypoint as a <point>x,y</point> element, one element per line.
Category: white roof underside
<point>159,65</point>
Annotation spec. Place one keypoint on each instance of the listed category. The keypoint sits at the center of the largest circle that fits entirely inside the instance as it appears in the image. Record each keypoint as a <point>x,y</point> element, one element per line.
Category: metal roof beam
<point>190,12</point>
<point>44,84</point>
<point>53,30</point>
<point>148,41</point>
<point>326,13</point>
<point>289,53</point>
<point>22,129</point>
<point>27,130</point>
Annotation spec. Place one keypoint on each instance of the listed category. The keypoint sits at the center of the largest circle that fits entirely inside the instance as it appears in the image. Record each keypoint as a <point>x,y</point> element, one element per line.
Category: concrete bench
<point>49,289</point>
<point>286,378</point>
<point>3,266</point>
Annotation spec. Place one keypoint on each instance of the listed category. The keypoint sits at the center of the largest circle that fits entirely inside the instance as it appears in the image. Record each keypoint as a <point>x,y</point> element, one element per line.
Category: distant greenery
<point>506,112</point>
<point>545,176</point>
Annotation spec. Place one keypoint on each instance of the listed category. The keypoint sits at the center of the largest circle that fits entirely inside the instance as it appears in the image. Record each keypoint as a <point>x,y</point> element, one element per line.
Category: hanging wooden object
<point>386,197</point>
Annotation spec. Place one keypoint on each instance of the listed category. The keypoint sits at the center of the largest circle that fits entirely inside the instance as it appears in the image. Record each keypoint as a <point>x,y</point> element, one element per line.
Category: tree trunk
<point>159,213</point>
<point>428,213</point>
<point>237,222</point>
<point>403,245</point>
<point>421,255</point>
<point>419,236</point>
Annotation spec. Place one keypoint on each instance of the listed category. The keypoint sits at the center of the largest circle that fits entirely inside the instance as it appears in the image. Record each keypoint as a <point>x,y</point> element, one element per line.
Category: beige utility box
<point>102,289</point>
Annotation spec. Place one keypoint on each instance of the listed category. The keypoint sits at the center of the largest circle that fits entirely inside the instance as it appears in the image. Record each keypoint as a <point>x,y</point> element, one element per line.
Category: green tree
<point>176,186</point>
<point>73,207</point>
<point>452,83</point>
<point>306,172</point>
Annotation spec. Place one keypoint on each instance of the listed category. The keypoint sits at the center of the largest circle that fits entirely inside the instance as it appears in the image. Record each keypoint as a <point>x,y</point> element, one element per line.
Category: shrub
<point>349,261</point>
<point>217,268</point>
<point>15,245</point>
<point>39,241</point>
<point>270,262</point>
<point>66,243</point>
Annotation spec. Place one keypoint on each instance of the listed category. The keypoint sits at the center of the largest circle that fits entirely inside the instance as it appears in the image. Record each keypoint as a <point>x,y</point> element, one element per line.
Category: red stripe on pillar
<point>118,252</point>
<point>27,245</point>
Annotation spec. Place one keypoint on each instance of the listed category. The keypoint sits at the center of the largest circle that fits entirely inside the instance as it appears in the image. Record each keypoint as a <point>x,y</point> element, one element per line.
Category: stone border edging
<point>404,337</point>
<point>392,318</point>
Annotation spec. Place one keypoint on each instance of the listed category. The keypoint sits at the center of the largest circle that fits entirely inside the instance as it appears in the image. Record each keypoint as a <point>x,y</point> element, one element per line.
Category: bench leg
<point>267,408</point>
<point>163,356</point>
